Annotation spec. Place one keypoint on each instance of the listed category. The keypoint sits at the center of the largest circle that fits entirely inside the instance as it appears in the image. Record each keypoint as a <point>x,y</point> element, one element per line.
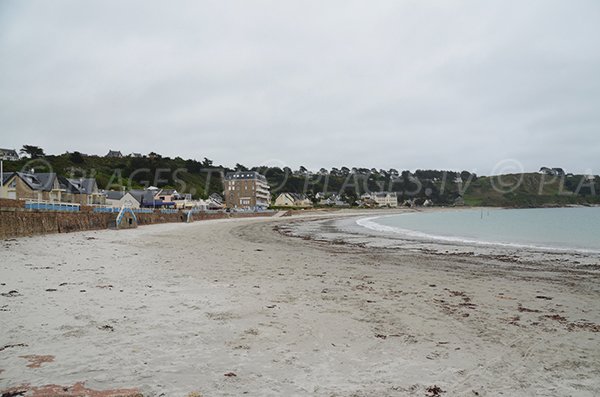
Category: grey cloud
<point>409,84</point>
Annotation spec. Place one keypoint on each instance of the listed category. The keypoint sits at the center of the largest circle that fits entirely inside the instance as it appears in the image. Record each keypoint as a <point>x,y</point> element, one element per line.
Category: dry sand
<point>170,310</point>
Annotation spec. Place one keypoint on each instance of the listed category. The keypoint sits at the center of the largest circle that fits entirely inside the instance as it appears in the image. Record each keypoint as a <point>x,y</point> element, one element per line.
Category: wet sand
<point>233,307</point>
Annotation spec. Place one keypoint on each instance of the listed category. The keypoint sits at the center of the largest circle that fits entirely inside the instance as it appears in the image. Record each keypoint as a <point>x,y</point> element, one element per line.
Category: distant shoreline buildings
<point>52,188</point>
<point>246,190</point>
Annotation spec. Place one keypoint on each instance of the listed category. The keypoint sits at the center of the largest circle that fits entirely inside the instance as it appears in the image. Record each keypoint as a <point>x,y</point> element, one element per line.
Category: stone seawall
<point>17,222</point>
<point>8,203</point>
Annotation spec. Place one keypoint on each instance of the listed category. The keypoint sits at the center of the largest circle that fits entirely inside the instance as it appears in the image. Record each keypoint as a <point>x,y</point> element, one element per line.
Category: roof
<point>143,196</point>
<point>379,194</point>
<point>114,194</point>
<point>43,181</point>
<point>6,176</point>
<point>296,196</point>
<point>214,205</point>
<point>79,186</point>
<point>114,153</point>
<point>245,175</point>
<point>335,200</point>
<point>167,192</point>
<point>385,194</point>
<point>8,153</point>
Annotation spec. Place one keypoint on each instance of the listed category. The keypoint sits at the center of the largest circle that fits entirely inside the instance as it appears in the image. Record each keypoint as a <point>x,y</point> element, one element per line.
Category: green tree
<point>207,163</point>
<point>33,151</point>
<point>76,158</point>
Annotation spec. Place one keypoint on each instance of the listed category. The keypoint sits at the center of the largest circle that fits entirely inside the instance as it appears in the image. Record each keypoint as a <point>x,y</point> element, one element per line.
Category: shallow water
<point>564,229</point>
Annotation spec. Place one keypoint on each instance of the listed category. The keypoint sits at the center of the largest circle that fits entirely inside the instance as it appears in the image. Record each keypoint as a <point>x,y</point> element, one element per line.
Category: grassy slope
<point>529,190</point>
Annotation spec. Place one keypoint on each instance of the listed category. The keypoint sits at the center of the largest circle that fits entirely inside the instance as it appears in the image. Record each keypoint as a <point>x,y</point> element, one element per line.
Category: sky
<point>486,86</point>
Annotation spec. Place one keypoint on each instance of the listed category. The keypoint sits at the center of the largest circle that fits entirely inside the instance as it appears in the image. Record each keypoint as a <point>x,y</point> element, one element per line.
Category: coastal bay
<point>300,305</point>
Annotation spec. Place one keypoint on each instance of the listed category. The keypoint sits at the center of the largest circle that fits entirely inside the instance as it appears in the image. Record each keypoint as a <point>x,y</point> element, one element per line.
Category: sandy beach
<point>292,306</point>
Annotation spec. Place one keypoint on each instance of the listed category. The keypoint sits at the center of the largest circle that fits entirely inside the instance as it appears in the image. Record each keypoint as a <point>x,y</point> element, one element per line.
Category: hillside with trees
<point>551,186</point>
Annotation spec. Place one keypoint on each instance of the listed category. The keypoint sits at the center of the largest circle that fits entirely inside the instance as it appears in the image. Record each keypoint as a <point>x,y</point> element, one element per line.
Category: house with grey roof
<point>119,199</point>
<point>135,198</point>
<point>9,155</point>
<point>167,195</point>
<point>293,200</point>
<point>146,198</point>
<point>214,202</point>
<point>81,190</point>
<point>114,154</point>
<point>332,200</point>
<point>216,197</point>
<point>171,197</point>
<point>32,186</point>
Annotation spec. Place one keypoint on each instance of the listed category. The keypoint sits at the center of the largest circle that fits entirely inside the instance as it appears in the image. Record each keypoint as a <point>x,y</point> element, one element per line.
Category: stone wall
<point>158,217</point>
<point>18,222</point>
<point>8,203</point>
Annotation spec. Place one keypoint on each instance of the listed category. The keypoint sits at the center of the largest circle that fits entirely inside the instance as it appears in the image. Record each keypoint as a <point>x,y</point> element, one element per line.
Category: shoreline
<point>225,307</point>
<point>348,230</point>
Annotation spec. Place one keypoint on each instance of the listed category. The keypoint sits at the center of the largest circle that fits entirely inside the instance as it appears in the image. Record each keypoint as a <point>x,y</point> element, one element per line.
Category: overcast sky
<point>402,84</point>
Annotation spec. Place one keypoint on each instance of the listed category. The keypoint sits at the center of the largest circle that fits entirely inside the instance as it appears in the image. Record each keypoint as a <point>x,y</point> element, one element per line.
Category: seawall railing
<point>52,206</point>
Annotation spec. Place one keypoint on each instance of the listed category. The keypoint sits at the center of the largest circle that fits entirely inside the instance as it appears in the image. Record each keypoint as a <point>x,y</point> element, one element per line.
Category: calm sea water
<point>571,229</point>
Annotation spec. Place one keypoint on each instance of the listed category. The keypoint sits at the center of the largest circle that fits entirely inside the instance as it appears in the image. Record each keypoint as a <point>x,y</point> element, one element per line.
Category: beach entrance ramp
<point>126,219</point>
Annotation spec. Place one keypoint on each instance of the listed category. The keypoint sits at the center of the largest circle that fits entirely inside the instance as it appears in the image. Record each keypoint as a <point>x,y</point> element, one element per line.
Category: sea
<point>575,229</point>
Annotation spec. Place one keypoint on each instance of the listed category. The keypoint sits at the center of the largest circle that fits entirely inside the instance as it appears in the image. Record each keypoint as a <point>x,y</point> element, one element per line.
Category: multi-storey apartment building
<point>246,190</point>
<point>381,199</point>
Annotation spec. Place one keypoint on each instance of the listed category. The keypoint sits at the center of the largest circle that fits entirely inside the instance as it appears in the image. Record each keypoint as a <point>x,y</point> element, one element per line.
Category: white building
<point>292,200</point>
<point>118,199</point>
<point>9,155</point>
<point>381,199</point>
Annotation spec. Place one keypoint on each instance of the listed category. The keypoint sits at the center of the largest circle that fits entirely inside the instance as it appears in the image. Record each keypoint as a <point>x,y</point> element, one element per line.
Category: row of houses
<point>249,190</point>
<point>243,190</point>
<point>160,198</point>
<point>117,154</point>
<point>50,187</point>
<point>13,155</point>
<point>377,199</point>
